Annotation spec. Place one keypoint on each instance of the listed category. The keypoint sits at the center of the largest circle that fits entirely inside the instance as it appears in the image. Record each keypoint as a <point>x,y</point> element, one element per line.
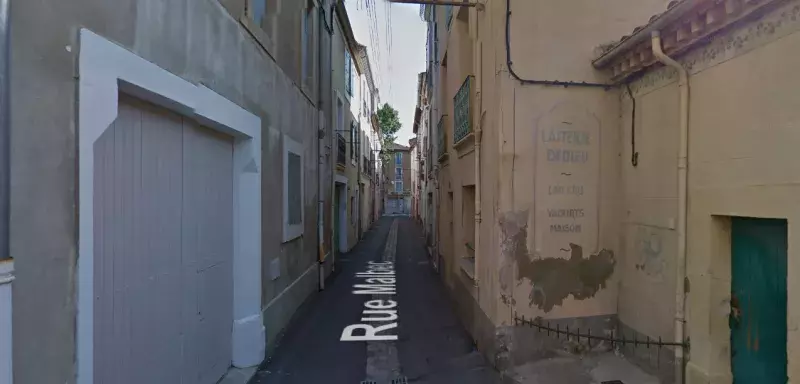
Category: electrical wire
<point>562,83</point>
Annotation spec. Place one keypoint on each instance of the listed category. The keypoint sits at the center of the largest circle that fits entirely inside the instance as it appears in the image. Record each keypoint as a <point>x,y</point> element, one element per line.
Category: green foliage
<point>389,124</point>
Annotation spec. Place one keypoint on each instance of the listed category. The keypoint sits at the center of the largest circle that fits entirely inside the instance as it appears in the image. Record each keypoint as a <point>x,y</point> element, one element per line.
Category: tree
<point>389,124</point>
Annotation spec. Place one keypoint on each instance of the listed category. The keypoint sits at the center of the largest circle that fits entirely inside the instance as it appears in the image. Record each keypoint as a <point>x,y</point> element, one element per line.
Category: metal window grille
<point>341,149</point>
<point>462,121</point>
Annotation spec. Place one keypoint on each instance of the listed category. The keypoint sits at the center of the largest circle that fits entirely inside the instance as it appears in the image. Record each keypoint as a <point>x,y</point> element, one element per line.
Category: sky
<point>395,37</point>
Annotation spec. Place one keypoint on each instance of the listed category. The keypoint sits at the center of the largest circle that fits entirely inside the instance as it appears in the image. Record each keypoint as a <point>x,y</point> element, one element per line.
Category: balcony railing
<point>341,150</point>
<point>462,105</point>
<point>441,135</point>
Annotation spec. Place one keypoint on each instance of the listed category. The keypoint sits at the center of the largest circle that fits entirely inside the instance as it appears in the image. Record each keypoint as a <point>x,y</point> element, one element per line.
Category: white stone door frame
<point>105,70</point>
<point>6,333</point>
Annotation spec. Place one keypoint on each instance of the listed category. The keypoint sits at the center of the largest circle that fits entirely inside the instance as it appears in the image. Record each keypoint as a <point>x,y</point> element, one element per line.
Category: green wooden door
<point>758,318</point>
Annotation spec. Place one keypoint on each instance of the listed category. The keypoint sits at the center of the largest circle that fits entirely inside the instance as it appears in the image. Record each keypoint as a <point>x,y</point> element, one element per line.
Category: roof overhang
<point>683,25</point>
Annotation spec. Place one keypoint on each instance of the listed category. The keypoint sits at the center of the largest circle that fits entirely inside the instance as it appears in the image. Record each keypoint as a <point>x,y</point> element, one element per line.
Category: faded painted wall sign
<point>566,180</point>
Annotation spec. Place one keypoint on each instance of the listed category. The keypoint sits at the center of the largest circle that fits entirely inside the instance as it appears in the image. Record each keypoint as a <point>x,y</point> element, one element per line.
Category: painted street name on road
<point>378,280</point>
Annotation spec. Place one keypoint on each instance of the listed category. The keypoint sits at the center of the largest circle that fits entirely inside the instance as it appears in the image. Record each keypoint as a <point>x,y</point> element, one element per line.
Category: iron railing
<point>441,136</point>
<point>643,350</point>
<point>341,149</point>
<point>462,106</point>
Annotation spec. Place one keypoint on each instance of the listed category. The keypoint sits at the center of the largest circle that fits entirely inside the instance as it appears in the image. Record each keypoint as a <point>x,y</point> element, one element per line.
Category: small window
<point>293,191</point>
<point>352,140</point>
<point>398,158</point>
<point>348,72</point>
<point>353,211</point>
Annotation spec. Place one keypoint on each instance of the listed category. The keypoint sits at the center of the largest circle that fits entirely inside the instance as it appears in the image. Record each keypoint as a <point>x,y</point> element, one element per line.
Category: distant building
<point>398,188</point>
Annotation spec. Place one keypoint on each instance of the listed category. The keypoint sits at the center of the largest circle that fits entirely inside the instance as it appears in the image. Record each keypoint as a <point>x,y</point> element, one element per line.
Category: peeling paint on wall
<point>513,245</point>
<point>552,279</point>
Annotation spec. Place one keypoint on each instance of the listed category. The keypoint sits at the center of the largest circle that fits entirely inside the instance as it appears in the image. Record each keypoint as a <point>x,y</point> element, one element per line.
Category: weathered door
<point>758,318</point>
<point>336,220</point>
<point>163,198</point>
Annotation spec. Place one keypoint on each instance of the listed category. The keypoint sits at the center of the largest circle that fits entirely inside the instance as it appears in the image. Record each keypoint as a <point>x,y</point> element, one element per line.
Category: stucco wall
<point>743,116</point>
<point>649,212</point>
<point>561,216</point>
<point>197,40</point>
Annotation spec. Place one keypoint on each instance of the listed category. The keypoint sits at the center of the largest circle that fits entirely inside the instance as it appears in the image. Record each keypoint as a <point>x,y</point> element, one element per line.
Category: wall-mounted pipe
<point>478,137</point>
<point>6,263</point>
<point>680,275</point>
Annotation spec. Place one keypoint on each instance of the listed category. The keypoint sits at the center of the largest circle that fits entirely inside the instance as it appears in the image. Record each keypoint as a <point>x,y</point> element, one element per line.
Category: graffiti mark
<point>649,246</point>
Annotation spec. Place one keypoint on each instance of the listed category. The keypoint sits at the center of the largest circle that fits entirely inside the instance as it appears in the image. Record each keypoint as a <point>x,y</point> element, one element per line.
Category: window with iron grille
<point>341,149</point>
<point>461,111</point>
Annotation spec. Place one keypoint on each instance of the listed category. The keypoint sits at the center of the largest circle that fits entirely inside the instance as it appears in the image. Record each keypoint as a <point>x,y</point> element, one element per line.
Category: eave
<point>684,25</point>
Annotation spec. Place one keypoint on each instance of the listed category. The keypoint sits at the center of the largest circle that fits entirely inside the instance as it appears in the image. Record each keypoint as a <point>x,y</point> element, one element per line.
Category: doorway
<point>758,300</point>
<point>340,219</point>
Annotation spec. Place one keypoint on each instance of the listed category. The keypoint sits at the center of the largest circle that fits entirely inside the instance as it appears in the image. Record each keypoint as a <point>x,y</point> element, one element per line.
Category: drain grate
<point>369,382</point>
<point>612,382</point>
<point>400,380</point>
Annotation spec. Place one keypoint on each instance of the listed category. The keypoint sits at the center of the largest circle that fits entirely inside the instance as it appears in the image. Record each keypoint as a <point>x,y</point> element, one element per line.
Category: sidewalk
<point>431,345</point>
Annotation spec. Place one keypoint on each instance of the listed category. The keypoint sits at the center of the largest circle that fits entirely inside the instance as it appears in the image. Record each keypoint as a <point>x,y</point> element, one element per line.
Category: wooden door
<point>758,318</point>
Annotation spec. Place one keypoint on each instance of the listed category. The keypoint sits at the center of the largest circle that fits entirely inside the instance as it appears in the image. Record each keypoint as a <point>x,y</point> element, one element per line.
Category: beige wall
<point>535,185</point>
<point>743,133</point>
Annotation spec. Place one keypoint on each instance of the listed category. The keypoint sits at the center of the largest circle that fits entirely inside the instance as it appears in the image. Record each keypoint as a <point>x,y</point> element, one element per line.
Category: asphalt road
<point>432,347</point>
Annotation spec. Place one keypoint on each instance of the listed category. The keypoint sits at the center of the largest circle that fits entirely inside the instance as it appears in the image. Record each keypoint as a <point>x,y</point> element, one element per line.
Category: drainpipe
<point>321,23</point>
<point>6,262</point>
<point>680,288</point>
<point>478,137</point>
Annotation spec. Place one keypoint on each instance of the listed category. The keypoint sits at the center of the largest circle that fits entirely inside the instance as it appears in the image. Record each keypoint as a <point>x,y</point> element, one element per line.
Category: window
<point>348,72</point>
<point>398,173</point>
<point>398,158</point>
<point>353,140</point>
<point>293,191</point>
<point>258,9</point>
<point>308,42</point>
<point>398,186</point>
<point>353,210</point>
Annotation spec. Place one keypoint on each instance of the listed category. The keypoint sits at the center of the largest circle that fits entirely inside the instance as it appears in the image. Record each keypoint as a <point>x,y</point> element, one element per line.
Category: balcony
<point>341,150</point>
<point>462,108</point>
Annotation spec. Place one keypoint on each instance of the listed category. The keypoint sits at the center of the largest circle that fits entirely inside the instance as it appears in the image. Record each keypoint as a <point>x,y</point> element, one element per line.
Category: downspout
<point>320,145</point>
<point>680,288</point>
<point>330,27</point>
<point>478,138</point>
<point>6,262</point>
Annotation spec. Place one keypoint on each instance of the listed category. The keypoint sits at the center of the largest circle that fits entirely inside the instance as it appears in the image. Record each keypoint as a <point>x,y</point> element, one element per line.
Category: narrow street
<point>431,347</point>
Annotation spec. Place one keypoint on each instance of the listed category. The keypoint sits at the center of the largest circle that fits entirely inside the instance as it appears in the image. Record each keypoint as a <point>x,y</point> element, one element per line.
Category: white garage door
<point>163,249</point>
